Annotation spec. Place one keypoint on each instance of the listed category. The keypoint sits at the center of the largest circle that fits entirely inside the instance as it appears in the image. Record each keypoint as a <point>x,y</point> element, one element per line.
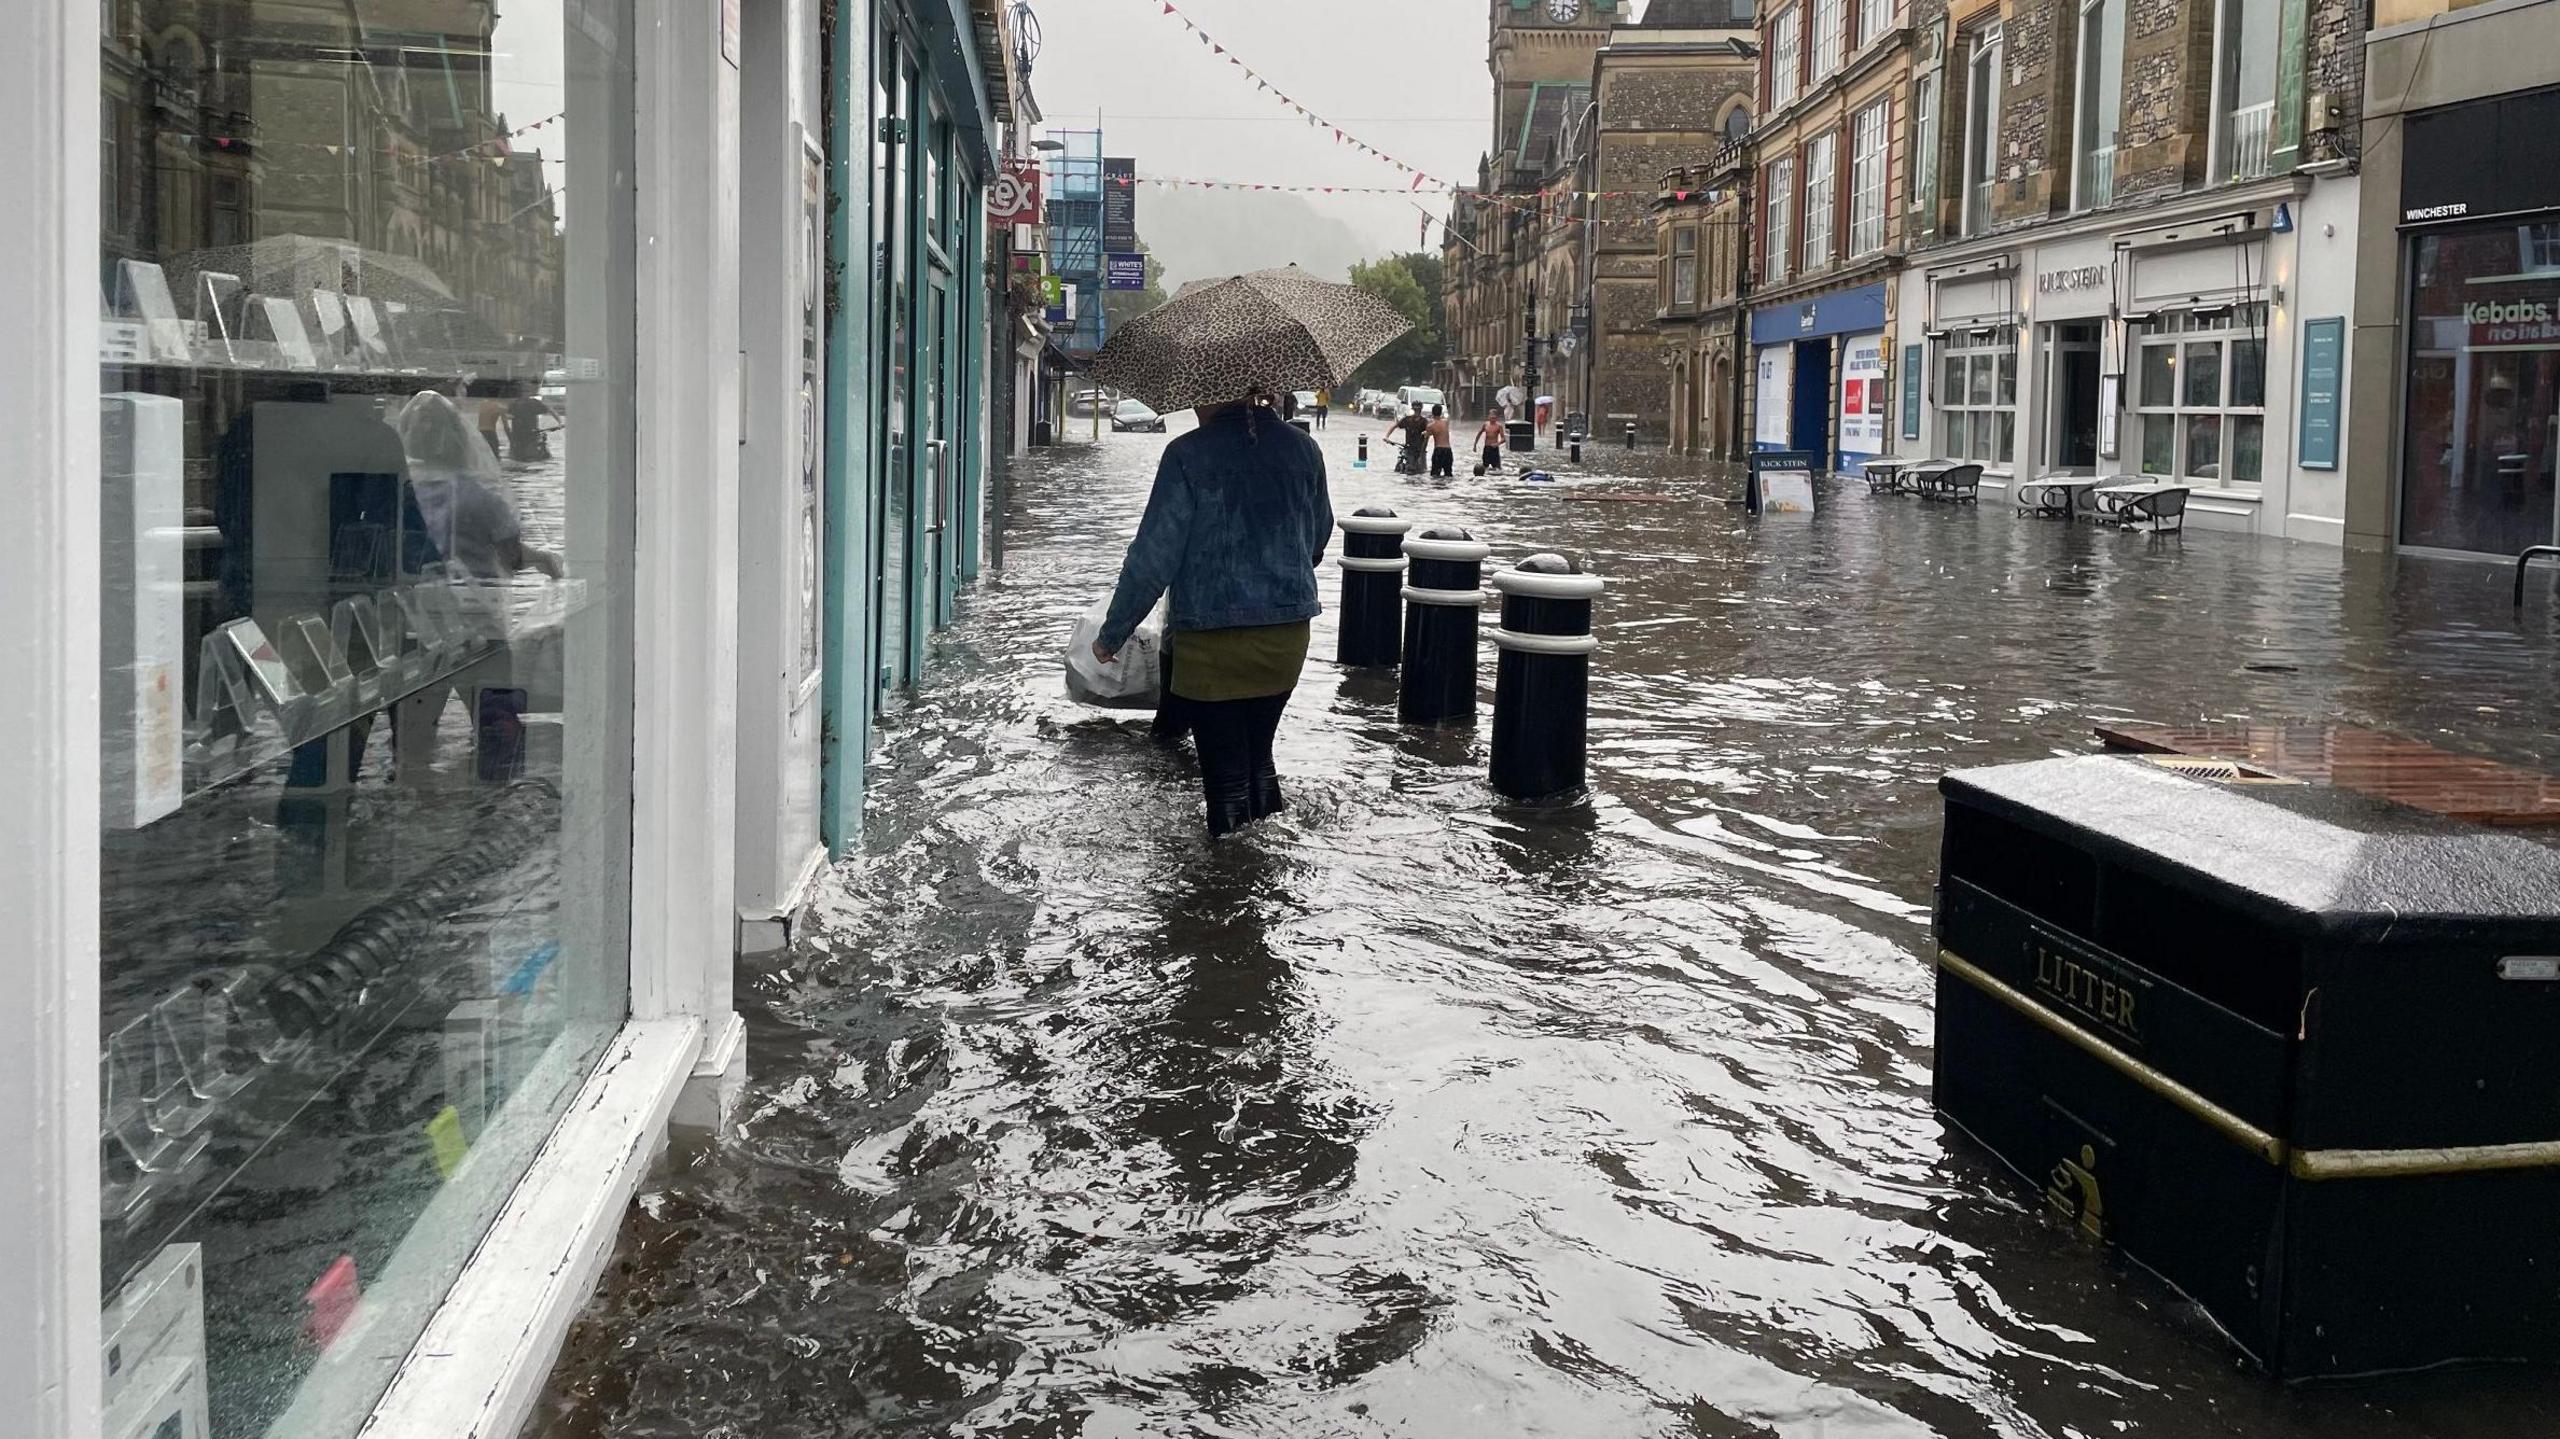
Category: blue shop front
<point>1820,377</point>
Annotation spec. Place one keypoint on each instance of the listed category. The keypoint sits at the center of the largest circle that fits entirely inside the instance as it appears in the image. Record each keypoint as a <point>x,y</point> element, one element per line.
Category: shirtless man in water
<point>1444,461</point>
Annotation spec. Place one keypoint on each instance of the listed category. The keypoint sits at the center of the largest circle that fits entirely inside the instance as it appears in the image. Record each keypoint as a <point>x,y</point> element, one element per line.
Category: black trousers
<point>1444,461</point>
<point>1493,457</point>
<point>1237,775</point>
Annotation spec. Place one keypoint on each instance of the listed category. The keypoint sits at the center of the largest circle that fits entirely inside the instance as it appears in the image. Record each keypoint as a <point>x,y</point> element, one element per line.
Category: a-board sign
<point>1781,482</point>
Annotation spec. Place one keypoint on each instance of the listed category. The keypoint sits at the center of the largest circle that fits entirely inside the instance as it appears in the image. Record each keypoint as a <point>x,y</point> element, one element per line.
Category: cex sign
<point>1014,198</point>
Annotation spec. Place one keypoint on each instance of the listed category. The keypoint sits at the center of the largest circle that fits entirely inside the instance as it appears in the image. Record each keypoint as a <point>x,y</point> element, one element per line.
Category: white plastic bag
<point>1130,680</point>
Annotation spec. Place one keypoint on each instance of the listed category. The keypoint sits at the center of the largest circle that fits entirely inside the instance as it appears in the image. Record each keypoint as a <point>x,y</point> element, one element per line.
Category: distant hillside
<point>1198,234</point>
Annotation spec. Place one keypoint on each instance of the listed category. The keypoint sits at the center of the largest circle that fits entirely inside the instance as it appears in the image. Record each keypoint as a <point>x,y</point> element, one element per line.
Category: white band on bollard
<point>1472,599</point>
<point>1422,549</point>
<point>1373,565</point>
<point>1373,524</point>
<point>1537,585</point>
<point>1528,644</point>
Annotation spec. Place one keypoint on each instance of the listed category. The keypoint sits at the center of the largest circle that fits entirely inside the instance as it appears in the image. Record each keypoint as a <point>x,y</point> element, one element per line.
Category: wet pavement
<point>1418,1113</point>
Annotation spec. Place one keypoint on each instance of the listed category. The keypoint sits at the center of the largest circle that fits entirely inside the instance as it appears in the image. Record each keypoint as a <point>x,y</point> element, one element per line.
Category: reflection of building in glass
<point>229,123</point>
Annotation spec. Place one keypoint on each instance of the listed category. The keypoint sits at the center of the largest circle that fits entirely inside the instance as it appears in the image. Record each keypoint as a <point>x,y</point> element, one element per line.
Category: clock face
<point>1563,11</point>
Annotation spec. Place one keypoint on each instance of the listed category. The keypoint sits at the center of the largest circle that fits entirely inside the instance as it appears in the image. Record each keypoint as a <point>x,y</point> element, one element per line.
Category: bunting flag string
<point>1530,204</point>
<point>1262,85</point>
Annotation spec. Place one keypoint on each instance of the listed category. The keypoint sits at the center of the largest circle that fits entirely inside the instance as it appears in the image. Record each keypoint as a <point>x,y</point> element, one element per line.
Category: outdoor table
<point>2067,495</point>
<point>1884,477</point>
<point>2150,500</point>
<point>1921,475</point>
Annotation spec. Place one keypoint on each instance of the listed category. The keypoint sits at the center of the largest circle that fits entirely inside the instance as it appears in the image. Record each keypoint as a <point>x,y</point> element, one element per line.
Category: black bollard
<point>1576,449</point>
<point>1542,681</point>
<point>1441,598</point>
<point>1372,584</point>
<point>1362,462</point>
<point>1631,434</point>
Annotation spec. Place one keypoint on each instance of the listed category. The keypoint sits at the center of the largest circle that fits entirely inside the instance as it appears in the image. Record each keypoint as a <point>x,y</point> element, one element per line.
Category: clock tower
<point>1538,49</point>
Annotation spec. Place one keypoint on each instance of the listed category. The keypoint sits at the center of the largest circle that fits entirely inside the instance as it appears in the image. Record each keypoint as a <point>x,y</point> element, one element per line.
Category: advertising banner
<point>1119,204</point>
<point>2324,346</point>
<point>1014,199</point>
<point>1863,401</point>
<point>1776,405</point>
<point>1124,272</point>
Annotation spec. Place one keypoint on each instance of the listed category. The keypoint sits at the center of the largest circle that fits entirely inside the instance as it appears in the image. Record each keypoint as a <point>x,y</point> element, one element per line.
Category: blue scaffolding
<point>1073,186</point>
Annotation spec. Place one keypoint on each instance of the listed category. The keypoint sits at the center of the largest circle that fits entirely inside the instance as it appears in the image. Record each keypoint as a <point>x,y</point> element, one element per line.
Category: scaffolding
<point>1073,185</point>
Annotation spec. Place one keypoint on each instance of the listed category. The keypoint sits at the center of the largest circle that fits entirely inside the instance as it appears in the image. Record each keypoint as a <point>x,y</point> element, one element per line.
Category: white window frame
<point>2538,247</point>
<point>2242,130</point>
<point>1976,377</point>
<point>1830,37</point>
<point>491,1341</point>
<point>1786,56</point>
<point>1684,267</point>
<point>1982,56</point>
<point>1927,98</point>
<point>1778,205</point>
<point>2175,332</point>
<point>1821,198</point>
<point>1869,162</point>
<point>2093,125</point>
<point>1874,18</point>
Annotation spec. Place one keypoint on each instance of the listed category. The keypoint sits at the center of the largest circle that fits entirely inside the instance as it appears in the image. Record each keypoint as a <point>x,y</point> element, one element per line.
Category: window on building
<point>2201,391</point>
<point>1874,18</point>
<point>2100,96</point>
<point>1779,208</point>
<point>1786,56</point>
<point>1830,17</point>
<point>2538,246</point>
<point>1978,394</point>
<point>1981,127</point>
<point>1867,165</point>
<point>1684,267</point>
<point>1819,206</point>
<point>1737,123</point>
<point>2244,86</point>
<point>1924,139</point>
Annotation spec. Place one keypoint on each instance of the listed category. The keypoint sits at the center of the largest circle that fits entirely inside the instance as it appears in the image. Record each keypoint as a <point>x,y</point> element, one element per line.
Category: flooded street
<point>1417,1113</point>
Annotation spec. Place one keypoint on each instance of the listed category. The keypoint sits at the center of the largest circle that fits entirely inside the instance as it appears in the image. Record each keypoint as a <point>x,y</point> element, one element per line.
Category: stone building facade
<point>2120,213</point>
<point>1702,236</point>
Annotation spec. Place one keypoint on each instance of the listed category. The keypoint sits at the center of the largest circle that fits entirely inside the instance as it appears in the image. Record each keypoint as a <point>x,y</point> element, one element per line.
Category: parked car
<point>1085,404</point>
<point>1305,400</point>
<point>1424,395</point>
<point>1134,415</point>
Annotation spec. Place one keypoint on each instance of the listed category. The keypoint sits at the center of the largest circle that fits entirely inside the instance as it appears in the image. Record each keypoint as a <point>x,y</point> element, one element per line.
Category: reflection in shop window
<point>365,475</point>
<point>1978,392</point>
<point>2202,395</point>
<point>2481,420</point>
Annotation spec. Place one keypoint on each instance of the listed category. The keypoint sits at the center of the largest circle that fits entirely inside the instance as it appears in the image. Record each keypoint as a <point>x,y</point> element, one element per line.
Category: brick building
<point>1828,154</point>
<point>2130,231</point>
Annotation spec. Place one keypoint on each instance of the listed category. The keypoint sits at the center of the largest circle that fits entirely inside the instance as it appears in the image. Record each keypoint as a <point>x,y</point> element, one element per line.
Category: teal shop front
<point>915,96</point>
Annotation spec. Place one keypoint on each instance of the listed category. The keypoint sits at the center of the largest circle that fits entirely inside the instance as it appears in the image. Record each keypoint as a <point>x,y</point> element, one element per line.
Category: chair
<point>2164,508</point>
<point>1963,482</point>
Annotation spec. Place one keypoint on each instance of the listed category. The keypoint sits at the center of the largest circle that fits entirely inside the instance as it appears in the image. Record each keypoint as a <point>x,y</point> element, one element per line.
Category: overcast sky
<point>1408,76</point>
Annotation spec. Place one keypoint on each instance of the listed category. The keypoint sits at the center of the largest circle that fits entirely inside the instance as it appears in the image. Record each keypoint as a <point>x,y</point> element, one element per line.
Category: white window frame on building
<point>1779,207</point>
<point>1874,18</point>
<point>1684,267</point>
<point>1821,198</point>
<point>1786,56</point>
<point>1925,96</point>
<point>1830,36</point>
<point>2168,346</point>
<point>2244,107</point>
<point>2097,102</point>
<point>1981,125</point>
<point>1977,382</point>
<point>1869,182</point>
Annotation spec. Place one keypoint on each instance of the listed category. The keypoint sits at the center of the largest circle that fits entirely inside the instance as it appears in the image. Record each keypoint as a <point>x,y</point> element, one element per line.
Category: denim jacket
<point>1235,527</point>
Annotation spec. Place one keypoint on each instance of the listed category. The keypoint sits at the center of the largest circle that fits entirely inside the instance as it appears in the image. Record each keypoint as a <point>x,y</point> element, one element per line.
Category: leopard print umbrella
<point>1270,331</point>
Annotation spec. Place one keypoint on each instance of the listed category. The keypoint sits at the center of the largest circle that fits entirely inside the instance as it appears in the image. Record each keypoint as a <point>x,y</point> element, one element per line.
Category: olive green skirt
<point>1239,664</point>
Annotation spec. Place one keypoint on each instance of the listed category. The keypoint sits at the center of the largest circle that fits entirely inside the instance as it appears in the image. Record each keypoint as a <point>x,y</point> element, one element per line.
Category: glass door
<point>2071,390</point>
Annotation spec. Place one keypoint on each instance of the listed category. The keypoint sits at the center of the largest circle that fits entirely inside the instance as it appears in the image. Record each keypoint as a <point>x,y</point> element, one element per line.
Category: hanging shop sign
<point>1119,204</point>
<point>2324,353</point>
<point>1014,198</point>
<point>1124,272</point>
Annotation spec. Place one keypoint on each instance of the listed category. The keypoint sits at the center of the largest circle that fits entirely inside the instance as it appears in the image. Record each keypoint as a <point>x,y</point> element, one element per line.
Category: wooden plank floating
<point>2388,766</point>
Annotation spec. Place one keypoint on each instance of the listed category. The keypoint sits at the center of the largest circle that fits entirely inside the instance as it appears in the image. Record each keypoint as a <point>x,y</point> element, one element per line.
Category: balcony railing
<point>2251,129</point>
<point>2097,177</point>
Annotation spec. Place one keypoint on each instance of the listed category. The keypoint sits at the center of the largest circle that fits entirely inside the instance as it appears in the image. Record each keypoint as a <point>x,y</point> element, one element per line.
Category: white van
<point>1408,395</point>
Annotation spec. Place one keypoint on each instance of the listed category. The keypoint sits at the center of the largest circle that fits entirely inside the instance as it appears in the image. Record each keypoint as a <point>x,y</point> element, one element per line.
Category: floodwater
<point>1418,1113</point>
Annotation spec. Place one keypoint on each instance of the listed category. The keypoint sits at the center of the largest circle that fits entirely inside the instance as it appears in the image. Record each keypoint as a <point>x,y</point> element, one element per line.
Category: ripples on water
<point>1418,1113</point>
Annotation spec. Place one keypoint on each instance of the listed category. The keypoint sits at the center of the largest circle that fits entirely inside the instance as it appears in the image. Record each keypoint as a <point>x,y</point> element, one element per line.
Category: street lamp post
<point>1524,431</point>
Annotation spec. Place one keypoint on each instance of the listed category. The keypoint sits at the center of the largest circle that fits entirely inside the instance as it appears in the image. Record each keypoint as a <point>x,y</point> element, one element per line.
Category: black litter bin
<point>2293,1049</point>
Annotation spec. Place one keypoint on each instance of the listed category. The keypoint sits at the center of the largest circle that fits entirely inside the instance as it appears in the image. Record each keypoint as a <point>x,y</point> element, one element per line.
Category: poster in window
<point>1862,396</point>
<point>1775,412</point>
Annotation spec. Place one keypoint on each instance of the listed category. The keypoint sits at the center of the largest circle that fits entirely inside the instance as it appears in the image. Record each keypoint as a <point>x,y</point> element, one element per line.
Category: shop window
<point>2481,422</point>
<point>1867,162</point>
<point>1786,56</point>
<point>1779,208</point>
<point>1981,127</point>
<point>1829,36</point>
<point>2201,395</point>
<point>2244,86</point>
<point>1978,394</point>
<point>1818,200</point>
<point>366,623</point>
<point>2100,96</point>
<point>1684,268</point>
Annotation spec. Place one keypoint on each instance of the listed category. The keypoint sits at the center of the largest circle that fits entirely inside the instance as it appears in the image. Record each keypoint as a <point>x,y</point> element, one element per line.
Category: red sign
<point>1014,199</point>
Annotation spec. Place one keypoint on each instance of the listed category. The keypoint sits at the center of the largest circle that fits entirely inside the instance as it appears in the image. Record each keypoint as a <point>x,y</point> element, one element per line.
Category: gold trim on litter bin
<point>2305,1164</point>
<point>2231,1126</point>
